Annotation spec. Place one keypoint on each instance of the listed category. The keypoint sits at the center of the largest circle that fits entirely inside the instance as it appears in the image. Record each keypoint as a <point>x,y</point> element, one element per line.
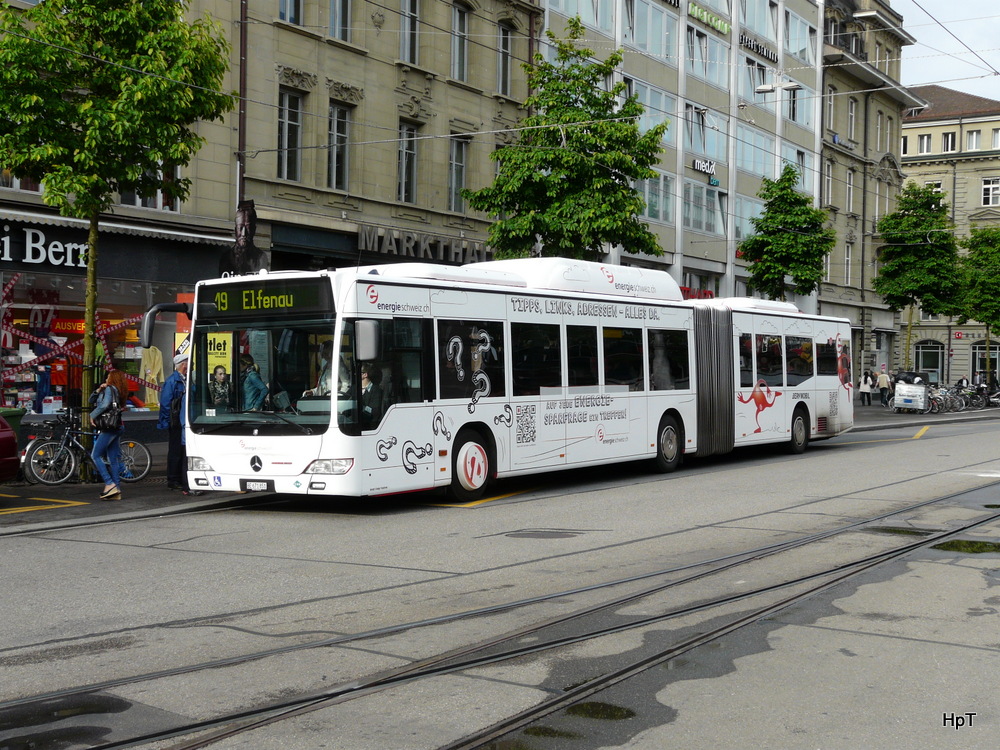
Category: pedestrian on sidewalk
<point>109,396</point>
<point>865,389</point>
<point>883,387</point>
<point>173,417</point>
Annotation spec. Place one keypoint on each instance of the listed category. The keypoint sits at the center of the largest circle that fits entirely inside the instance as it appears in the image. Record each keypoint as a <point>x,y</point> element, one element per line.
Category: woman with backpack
<point>109,397</point>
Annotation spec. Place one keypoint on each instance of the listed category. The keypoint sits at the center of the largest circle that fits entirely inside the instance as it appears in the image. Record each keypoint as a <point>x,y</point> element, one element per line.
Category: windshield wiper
<point>245,420</point>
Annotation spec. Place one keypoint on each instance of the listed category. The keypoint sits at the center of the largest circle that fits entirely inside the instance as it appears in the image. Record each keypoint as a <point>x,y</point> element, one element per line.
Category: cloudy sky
<point>938,57</point>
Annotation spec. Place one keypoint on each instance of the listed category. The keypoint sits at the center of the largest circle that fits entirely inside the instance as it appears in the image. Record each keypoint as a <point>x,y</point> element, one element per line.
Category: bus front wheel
<point>669,445</point>
<point>470,467</point>
<point>800,432</point>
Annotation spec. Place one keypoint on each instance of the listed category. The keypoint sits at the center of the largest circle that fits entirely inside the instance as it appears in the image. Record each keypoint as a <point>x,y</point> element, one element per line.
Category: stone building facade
<point>954,145</point>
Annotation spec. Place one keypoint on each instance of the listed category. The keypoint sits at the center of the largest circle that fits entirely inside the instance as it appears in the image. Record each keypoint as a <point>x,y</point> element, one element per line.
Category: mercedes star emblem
<point>255,463</point>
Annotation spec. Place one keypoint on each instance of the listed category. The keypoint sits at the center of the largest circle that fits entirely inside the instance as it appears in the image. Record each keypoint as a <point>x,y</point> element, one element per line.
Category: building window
<point>409,22</point>
<point>831,98</point>
<point>407,164</point>
<point>799,106</point>
<point>878,192</point>
<point>852,118</point>
<point>879,117</point>
<point>924,144</point>
<point>705,132</point>
<point>803,161</point>
<point>704,209</point>
<point>760,16</point>
<point>905,146</point>
<point>991,191</point>
<point>337,134</point>
<point>656,105</point>
<point>756,74</point>
<point>290,11</point>
<point>457,159</point>
<point>755,151</point>
<point>8,180</point>
<point>340,19</point>
<point>972,142</point>
<point>157,200</point>
<point>828,181</point>
<point>707,57</point>
<point>505,51</point>
<point>827,268</point>
<point>948,141</point>
<point>290,110</point>
<point>800,38</point>
<point>460,42</point>
<point>746,209</point>
<point>849,198</point>
<point>658,193</point>
<point>848,258</point>
<point>651,29</point>
<point>996,138</point>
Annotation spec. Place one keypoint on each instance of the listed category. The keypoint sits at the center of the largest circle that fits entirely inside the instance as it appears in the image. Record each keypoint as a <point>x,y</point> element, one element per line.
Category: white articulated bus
<point>404,377</point>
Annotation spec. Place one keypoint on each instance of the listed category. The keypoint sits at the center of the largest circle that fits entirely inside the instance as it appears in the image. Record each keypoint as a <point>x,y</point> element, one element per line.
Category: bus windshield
<point>264,358</point>
<point>279,374</point>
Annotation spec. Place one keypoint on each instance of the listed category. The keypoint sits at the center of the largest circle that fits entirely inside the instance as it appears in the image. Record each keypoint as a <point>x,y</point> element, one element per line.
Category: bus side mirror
<point>149,319</point>
<point>367,340</point>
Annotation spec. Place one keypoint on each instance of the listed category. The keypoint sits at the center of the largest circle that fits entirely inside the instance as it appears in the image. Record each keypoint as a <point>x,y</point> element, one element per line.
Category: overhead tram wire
<point>952,34</point>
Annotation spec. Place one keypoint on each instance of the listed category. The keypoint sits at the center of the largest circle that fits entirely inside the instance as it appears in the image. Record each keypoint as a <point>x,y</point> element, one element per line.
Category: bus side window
<point>536,358</point>
<point>770,367</point>
<point>581,345</point>
<point>799,359</point>
<point>470,359</point>
<point>669,363</point>
<point>746,361</point>
<point>623,358</point>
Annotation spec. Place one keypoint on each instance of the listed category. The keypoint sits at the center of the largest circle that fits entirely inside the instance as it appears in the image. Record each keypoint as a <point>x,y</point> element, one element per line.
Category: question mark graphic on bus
<point>383,447</point>
<point>481,382</point>
<point>480,349</point>
<point>439,427</point>
<point>506,418</point>
<point>413,453</point>
<point>455,355</point>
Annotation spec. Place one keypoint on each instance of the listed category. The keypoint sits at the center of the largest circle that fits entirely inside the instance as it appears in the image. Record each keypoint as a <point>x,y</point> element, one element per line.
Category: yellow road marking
<point>474,503</point>
<point>27,508</point>
<point>920,434</point>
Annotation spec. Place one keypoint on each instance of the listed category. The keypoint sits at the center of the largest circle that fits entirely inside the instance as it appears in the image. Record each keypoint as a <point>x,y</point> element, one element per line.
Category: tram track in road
<point>509,645</point>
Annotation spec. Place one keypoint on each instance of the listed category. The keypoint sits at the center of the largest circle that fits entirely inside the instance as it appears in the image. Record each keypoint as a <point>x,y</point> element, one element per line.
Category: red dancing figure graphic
<point>759,396</point>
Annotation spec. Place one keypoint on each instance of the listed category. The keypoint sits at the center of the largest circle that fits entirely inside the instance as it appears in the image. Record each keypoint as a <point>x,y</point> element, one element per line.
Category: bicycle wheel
<point>51,463</point>
<point>136,461</point>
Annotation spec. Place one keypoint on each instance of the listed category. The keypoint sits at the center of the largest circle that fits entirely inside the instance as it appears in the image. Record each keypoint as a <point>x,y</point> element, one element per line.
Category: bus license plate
<point>257,485</point>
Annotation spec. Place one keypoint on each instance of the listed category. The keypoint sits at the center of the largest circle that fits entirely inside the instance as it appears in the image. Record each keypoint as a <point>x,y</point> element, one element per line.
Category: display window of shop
<point>42,338</point>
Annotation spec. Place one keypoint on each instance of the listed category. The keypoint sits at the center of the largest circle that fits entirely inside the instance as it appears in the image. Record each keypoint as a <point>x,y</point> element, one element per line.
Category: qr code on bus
<point>526,424</point>
<point>834,403</point>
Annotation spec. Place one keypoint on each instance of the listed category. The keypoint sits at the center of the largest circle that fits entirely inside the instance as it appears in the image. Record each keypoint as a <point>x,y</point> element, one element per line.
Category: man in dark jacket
<point>173,417</point>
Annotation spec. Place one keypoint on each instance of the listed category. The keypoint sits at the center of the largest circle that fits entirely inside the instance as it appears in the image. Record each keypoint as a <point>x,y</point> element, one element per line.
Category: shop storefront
<point>43,281</point>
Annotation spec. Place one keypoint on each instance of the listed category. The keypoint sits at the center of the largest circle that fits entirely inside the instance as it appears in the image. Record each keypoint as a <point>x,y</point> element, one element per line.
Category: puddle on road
<point>969,547</point>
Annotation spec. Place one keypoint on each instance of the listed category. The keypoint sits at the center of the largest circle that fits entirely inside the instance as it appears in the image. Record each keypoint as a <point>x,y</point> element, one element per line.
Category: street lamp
<point>770,88</point>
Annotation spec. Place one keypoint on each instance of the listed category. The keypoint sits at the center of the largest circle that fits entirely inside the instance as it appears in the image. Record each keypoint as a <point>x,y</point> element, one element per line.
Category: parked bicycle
<point>56,461</point>
<point>41,432</point>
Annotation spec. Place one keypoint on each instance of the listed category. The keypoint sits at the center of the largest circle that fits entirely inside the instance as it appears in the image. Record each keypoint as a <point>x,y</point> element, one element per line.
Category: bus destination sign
<point>267,297</point>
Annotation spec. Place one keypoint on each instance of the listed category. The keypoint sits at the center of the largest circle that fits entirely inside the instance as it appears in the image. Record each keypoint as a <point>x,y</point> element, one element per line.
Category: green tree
<point>980,299</point>
<point>568,180</point>
<point>101,97</point>
<point>789,240</point>
<point>918,258</point>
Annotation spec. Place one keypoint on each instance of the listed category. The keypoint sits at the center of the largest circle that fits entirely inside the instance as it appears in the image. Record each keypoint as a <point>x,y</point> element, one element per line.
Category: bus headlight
<point>196,463</point>
<point>330,466</point>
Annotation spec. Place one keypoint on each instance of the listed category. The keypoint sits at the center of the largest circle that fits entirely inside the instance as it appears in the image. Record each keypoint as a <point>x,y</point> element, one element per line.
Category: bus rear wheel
<point>470,467</point>
<point>800,432</point>
<point>669,445</point>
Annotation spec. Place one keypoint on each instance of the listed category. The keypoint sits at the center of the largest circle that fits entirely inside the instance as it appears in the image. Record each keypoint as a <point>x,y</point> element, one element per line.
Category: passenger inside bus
<point>322,387</point>
<point>371,395</point>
